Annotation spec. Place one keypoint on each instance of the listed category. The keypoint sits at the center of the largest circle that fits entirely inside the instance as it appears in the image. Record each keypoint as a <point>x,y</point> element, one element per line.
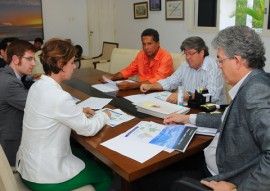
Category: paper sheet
<point>94,102</point>
<point>133,149</point>
<point>204,130</point>
<point>118,117</point>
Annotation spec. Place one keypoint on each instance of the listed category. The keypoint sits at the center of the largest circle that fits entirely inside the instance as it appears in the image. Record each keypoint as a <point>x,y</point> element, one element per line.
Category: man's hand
<point>125,85</point>
<point>109,76</point>
<point>176,118</point>
<point>145,87</point>
<point>219,186</point>
<point>173,98</point>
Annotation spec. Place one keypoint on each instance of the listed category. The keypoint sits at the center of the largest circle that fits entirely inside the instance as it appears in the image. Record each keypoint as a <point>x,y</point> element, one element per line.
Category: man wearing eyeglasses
<point>20,58</point>
<point>198,71</point>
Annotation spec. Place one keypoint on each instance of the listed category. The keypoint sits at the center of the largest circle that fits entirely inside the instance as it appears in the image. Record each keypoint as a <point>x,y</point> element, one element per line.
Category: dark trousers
<point>162,180</point>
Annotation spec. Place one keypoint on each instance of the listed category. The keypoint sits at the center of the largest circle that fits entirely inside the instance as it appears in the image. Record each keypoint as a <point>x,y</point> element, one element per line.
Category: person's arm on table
<point>173,98</point>
<point>177,118</point>
<point>125,85</point>
<point>147,87</point>
<point>117,76</point>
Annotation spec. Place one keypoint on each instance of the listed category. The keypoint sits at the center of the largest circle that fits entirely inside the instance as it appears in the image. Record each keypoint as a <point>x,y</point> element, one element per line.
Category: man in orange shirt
<point>151,64</point>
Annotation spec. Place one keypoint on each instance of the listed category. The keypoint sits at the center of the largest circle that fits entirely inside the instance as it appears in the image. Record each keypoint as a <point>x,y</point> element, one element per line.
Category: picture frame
<point>155,5</point>
<point>141,10</point>
<point>174,9</point>
<point>21,20</point>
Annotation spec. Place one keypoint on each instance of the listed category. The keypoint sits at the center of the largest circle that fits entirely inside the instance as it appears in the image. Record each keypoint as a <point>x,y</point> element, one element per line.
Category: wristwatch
<point>189,95</point>
<point>234,189</point>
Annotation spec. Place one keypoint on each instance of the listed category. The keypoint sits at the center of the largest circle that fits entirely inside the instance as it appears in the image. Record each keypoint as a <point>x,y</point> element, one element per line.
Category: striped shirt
<point>208,76</point>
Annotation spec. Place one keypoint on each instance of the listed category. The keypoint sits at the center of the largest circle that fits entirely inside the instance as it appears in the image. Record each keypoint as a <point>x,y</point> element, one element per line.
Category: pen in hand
<point>88,112</point>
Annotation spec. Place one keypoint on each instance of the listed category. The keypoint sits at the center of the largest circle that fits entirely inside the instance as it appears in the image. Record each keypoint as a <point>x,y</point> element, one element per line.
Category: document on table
<point>144,97</point>
<point>204,130</point>
<point>76,100</point>
<point>94,102</point>
<point>175,137</point>
<point>117,117</point>
<point>133,149</point>
<point>110,86</point>
<point>138,98</point>
<point>146,139</point>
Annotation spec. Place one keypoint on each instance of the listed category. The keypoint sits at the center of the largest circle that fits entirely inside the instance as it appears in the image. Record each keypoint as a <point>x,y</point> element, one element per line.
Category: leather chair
<point>105,55</point>
<point>189,184</point>
<point>10,181</point>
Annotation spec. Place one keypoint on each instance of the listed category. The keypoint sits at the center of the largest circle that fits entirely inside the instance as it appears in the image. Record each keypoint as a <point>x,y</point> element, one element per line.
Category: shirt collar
<point>204,65</point>
<point>156,58</point>
<point>233,91</point>
<point>18,76</point>
<point>50,80</point>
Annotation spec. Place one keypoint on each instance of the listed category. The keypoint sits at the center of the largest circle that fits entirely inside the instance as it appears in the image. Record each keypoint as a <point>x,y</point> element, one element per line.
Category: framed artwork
<point>21,19</point>
<point>174,9</point>
<point>141,10</point>
<point>155,5</point>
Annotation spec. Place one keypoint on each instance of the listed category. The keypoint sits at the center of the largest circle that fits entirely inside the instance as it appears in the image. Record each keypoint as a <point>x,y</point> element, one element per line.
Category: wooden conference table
<point>129,170</point>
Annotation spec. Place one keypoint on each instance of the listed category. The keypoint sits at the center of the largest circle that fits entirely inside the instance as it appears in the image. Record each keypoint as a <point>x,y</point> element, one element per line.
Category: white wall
<point>66,19</point>
<point>172,33</point>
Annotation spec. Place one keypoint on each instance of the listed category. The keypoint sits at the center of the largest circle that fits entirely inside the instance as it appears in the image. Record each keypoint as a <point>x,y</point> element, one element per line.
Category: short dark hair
<point>38,40</point>
<point>196,43</point>
<point>54,51</point>
<point>18,48</point>
<point>151,32</point>
<point>5,41</point>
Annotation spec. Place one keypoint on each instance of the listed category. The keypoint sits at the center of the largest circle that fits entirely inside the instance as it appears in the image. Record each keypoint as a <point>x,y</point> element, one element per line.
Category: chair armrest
<point>189,184</point>
<point>99,61</point>
<point>96,56</point>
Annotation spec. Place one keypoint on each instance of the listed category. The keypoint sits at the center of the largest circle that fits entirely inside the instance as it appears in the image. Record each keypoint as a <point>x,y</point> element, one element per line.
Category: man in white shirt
<point>198,71</point>
<point>238,157</point>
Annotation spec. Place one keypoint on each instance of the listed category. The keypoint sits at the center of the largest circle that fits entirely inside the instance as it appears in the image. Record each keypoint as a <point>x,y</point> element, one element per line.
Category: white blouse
<point>50,113</point>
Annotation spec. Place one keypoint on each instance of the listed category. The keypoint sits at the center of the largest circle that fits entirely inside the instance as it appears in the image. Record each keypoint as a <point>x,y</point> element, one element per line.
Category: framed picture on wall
<point>21,19</point>
<point>174,9</point>
<point>155,5</point>
<point>141,10</point>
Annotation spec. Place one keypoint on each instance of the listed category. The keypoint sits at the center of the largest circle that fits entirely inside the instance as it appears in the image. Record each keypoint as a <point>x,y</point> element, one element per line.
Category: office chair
<point>78,56</point>
<point>189,184</point>
<point>105,55</point>
<point>10,181</point>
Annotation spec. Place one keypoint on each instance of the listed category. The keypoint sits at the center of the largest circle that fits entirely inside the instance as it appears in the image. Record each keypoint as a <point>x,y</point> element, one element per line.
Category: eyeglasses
<point>221,60</point>
<point>29,58</point>
<point>190,54</point>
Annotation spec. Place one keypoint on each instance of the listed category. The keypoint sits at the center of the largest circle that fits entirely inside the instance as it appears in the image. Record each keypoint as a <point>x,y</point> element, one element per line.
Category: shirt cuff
<point>192,118</point>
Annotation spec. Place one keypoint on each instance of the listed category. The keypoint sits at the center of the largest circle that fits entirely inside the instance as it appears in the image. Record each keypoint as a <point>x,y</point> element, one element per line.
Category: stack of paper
<point>160,108</point>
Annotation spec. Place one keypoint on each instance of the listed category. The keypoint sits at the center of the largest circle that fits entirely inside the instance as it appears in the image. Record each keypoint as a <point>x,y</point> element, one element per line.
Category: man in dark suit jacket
<point>238,158</point>
<point>20,59</point>
<point>240,152</point>
<point>3,46</point>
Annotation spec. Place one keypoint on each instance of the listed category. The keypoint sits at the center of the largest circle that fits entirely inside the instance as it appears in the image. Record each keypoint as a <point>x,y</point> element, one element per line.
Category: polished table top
<point>127,168</point>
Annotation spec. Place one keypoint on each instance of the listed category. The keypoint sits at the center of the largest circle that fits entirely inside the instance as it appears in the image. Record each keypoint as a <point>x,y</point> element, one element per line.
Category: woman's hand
<point>88,112</point>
